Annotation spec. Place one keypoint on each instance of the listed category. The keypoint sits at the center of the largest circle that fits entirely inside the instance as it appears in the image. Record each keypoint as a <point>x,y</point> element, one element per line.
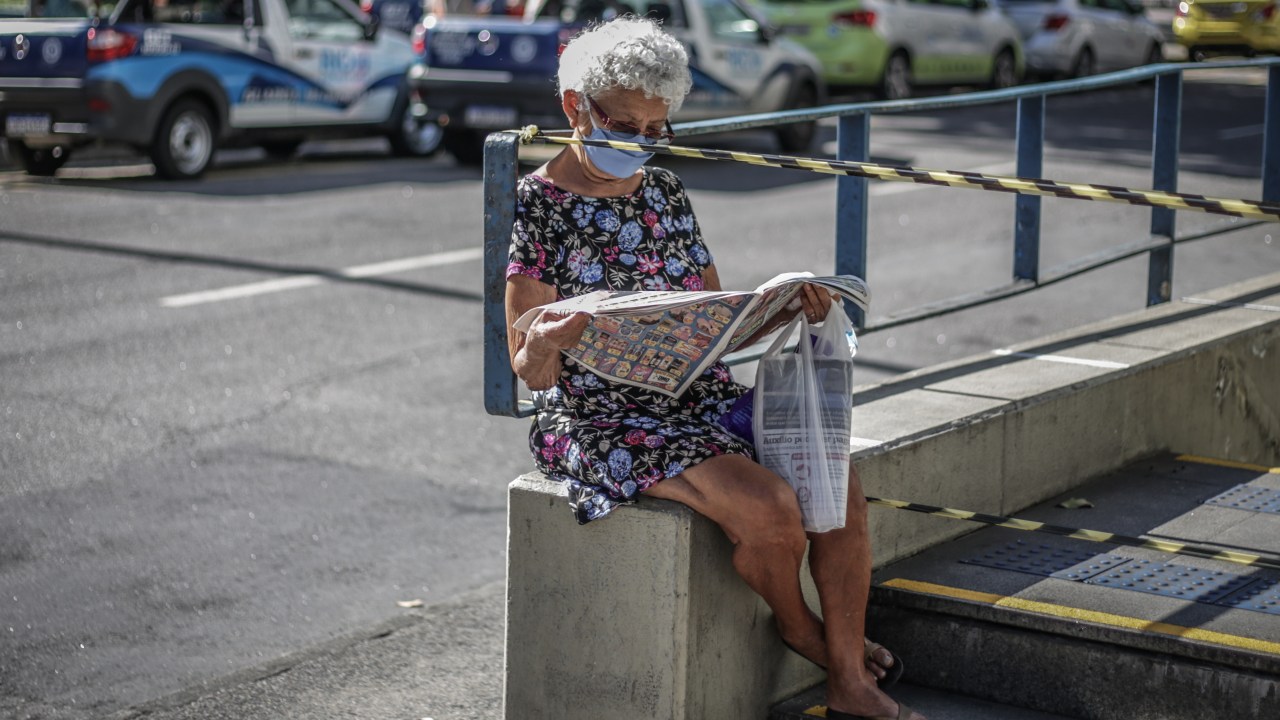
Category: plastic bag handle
<point>785,335</point>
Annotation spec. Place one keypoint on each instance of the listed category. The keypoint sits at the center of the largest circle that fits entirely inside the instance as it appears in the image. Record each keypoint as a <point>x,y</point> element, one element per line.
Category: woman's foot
<point>856,695</point>
<point>883,665</point>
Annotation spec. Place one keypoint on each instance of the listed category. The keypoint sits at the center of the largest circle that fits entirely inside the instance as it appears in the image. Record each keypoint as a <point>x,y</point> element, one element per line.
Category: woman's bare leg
<point>840,561</point>
<point>758,512</point>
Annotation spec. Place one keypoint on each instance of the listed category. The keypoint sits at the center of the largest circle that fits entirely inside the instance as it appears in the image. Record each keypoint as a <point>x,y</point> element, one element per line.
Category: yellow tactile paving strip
<point>1090,616</point>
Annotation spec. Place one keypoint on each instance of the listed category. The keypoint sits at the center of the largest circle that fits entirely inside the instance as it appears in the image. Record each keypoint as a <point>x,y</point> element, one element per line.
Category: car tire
<point>1084,65</point>
<point>798,137</point>
<point>411,137</point>
<point>281,149</point>
<point>466,146</point>
<point>42,162</point>
<point>1004,70</point>
<point>1155,55</point>
<point>895,84</point>
<point>185,141</point>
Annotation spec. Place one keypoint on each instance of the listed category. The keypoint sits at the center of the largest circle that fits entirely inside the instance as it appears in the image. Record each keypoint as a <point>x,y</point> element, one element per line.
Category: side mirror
<point>371,29</point>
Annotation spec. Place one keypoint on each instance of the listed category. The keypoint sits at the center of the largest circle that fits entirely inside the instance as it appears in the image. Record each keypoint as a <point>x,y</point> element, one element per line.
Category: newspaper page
<point>663,340</point>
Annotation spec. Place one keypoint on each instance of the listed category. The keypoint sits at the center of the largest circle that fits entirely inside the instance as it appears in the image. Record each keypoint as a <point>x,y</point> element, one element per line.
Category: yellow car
<point>1237,26</point>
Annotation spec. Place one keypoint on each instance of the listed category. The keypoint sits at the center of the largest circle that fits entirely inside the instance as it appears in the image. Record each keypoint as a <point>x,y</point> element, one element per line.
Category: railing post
<point>1271,138</point>
<point>1164,157</point>
<point>500,165</point>
<point>1026,232</point>
<point>853,142</point>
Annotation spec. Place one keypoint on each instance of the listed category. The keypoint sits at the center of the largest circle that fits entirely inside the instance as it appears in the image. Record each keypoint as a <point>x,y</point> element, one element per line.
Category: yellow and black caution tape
<point>1175,548</point>
<point>1258,209</point>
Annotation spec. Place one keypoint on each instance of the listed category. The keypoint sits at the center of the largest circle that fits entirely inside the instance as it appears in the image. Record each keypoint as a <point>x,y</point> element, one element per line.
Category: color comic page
<point>663,351</point>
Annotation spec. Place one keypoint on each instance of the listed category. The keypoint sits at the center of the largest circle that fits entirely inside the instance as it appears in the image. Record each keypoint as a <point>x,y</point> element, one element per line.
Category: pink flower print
<point>692,282</point>
<point>721,373</point>
<point>650,218</point>
<point>649,263</point>
<point>611,253</point>
<point>554,448</point>
<point>636,437</point>
<point>655,441</point>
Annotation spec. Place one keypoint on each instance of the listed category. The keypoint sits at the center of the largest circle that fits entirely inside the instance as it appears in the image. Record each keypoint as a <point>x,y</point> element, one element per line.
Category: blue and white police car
<point>178,79</point>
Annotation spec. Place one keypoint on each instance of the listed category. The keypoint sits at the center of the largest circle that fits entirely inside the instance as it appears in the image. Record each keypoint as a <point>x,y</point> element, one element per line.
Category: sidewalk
<point>439,663</point>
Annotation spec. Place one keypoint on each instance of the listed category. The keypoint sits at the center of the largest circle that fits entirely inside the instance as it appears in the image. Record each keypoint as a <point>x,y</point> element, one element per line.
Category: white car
<point>1075,38</point>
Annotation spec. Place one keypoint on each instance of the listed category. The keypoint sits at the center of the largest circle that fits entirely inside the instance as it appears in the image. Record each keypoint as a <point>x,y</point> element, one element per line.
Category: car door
<point>1125,32</point>
<point>728,55</point>
<point>331,52</point>
<point>961,47</point>
<point>921,28</point>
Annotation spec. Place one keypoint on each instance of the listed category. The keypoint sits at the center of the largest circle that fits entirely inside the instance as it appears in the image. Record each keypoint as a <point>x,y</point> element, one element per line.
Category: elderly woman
<point>595,218</point>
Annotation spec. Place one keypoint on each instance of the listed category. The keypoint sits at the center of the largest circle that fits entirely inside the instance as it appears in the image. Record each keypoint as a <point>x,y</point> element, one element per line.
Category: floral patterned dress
<point>609,441</point>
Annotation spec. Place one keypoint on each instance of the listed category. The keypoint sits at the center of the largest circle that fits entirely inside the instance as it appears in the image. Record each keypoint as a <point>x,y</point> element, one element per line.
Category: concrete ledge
<point>1001,432</point>
<point>642,615</point>
<point>637,616</point>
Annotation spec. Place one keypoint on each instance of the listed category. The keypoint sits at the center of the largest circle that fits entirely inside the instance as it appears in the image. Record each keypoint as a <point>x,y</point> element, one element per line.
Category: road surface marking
<point>1222,303</point>
<point>236,292</point>
<point>1238,133</point>
<point>1062,359</point>
<point>1091,616</point>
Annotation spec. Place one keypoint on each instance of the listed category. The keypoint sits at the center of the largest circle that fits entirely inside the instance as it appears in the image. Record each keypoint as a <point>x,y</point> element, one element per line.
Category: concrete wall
<point>642,616</point>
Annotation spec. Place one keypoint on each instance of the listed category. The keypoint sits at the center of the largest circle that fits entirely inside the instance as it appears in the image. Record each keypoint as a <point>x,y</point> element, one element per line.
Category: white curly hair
<point>627,53</point>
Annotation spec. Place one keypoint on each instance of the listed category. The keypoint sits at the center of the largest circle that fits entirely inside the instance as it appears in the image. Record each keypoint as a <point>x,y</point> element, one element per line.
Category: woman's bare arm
<point>535,356</point>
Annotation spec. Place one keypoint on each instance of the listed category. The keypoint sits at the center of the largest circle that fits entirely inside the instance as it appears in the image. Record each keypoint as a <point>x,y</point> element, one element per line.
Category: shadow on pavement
<point>231,263</point>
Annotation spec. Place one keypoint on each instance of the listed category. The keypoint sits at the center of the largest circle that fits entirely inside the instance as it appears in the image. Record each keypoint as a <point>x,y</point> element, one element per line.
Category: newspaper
<point>663,340</point>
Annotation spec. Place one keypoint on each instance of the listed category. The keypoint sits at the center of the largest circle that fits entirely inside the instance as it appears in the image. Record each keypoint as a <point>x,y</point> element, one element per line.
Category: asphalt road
<point>195,483</point>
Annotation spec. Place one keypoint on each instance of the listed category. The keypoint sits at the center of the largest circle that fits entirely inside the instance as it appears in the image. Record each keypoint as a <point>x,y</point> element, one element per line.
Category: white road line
<point>1220,303</point>
<point>1062,359</point>
<point>1240,132</point>
<point>235,292</point>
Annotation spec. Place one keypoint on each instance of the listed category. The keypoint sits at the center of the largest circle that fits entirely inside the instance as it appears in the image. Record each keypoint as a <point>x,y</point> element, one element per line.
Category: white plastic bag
<point>802,415</point>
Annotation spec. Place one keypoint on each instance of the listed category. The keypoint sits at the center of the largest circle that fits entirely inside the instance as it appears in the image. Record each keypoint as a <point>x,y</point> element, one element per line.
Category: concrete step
<point>1098,631</point>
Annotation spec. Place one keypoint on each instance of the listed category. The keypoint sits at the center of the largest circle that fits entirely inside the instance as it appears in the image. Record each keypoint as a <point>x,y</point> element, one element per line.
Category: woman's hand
<point>538,360</point>
<point>553,332</point>
<point>815,302</point>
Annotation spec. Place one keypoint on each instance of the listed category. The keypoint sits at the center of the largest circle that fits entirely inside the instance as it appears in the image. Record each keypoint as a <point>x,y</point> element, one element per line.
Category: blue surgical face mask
<point>612,161</point>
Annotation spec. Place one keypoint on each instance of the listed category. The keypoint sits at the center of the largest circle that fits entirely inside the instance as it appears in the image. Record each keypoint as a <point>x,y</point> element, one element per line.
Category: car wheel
<point>896,83</point>
<point>1004,72</point>
<point>281,149</point>
<point>1084,66</point>
<point>184,143</point>
<point>43,161</point>
<point>798,137</point>
<point>414,137</point>
<point>466,146</point>
<point>1196,54</point>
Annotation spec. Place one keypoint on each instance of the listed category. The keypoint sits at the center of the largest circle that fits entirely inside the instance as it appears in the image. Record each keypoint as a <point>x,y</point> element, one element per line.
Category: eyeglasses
<point>664,136</point>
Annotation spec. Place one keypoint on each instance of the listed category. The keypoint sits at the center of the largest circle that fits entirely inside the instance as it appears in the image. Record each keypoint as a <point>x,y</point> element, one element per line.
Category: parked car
<point>179,79</point>
<point>1075,38</point>
<point>478,74</point>
<point>894,45</point>
<point>1209,27</point>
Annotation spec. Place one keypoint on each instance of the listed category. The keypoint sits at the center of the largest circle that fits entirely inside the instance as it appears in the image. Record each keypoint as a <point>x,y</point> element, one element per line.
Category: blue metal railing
<point>853,142</point>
